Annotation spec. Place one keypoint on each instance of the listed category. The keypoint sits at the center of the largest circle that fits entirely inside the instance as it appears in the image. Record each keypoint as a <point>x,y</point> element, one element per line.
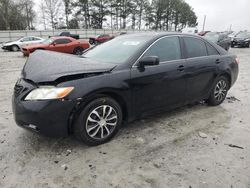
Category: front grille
<point>18,89</point>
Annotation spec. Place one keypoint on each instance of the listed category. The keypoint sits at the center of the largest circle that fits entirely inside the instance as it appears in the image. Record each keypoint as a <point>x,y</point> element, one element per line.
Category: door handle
<point>181,68</point>
<point>217,61</point>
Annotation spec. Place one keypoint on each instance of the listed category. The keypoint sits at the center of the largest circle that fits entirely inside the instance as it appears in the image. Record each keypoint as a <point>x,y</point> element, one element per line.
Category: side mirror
<point>53,43</point>
<point>148,61</point>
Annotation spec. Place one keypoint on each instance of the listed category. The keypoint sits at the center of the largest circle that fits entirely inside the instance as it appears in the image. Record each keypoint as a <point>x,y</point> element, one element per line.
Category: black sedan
<point>242,40</point>
<point>119,81</point>
<point>221,39</point>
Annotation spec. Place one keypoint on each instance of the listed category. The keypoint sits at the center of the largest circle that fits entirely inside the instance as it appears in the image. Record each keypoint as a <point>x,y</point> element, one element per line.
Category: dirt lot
<point>162,151</point>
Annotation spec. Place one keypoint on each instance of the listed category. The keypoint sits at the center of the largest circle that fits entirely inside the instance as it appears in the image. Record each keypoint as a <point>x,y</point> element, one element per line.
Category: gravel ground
<point>188,147</point>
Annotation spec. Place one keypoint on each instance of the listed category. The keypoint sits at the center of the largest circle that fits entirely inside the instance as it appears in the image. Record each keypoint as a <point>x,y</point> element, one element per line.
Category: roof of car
<point>159,34</point>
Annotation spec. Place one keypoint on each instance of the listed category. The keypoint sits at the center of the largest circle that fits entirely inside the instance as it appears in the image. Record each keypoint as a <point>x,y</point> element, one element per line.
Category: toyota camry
<point>129,77</point>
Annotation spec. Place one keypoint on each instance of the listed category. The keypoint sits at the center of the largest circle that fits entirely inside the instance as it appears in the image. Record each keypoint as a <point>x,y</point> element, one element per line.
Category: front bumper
<point>50,117</point>
<point>6,48</point>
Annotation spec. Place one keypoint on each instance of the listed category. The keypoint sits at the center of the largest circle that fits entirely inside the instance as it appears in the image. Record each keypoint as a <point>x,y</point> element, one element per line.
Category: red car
<point>58,44</point>
<point>100,39</point>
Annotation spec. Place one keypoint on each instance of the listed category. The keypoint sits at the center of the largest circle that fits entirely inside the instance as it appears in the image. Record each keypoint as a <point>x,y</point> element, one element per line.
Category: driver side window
<point>166,49</point>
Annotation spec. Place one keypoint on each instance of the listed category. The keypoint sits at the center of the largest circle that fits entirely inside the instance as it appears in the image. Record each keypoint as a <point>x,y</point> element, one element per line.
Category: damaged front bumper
<point>48,117</point>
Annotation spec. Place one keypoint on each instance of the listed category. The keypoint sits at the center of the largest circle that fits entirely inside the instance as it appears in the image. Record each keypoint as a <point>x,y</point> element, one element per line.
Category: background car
<point>203,33</point>
<point>219,38</point>
<point>17,45</point>
<point>93,94</point>
<point>242,39</point>
<point>59,44</point>
<point>100,39</point>
<point>190,30</point>
<point>68,34</point>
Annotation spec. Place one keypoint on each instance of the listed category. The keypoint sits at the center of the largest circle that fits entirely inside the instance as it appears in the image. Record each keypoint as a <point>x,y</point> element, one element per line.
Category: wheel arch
<point>228,76</point>
<point>92,96</point>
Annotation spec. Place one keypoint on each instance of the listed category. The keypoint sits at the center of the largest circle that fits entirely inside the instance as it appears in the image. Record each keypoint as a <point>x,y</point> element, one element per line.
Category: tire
<point>219,91</point>
<point>15,48</point>
<point>92,130</point>
<point>91,41</point>
<point>78,51</point>
<point>232,45</point>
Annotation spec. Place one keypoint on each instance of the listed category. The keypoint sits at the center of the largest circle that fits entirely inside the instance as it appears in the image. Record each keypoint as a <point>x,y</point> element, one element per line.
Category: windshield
<point>118,50</point>
<point>47,41</point>
<point>214,37</point>
<point>243,35</point>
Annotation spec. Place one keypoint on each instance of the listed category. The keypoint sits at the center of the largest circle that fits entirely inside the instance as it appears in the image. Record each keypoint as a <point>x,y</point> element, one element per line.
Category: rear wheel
<point>232,45</point>
<point>219,91</point>
<point>14,48</point>
<point>99,121</point>
<point>78,50</point>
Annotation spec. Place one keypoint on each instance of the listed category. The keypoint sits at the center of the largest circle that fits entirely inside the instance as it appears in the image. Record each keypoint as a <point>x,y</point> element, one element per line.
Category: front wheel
<point>91,41</point>
<point>99,121</point>
<point>219,91</point>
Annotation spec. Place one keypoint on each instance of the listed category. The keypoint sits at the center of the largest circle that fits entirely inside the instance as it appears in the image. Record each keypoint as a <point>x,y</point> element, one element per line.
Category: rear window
<point>195,47</point>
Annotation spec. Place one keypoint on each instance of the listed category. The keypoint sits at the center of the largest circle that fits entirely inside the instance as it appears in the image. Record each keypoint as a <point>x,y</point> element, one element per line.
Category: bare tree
<point>67,11</point>
<point>27,6</point>
<point>52,11</point>
<point>43,17</point>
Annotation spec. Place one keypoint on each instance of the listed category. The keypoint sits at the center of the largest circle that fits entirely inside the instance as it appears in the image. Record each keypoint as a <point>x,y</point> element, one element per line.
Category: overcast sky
<point>222,13</point>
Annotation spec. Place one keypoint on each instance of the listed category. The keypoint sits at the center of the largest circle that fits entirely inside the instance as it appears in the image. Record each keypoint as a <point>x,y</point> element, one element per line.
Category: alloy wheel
<point>220,90</point>
<point>101,122</point>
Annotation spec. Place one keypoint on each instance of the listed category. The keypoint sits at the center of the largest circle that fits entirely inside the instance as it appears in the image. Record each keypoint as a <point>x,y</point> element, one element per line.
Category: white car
<point>17,45</point>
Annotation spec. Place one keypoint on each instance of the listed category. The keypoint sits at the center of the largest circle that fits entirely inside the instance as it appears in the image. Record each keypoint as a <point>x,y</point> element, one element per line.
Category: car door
<point>24,41</point>
<point>60,45</point>
<point>162,85</point>
<point>35,40</point>
<point>201,68</point>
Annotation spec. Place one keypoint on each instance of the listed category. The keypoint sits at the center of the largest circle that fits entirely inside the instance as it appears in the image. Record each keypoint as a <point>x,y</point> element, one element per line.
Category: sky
<point>220,14</point>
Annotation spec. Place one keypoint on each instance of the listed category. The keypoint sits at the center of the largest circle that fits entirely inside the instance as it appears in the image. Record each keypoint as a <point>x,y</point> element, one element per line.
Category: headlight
<point>247,40</point>
<point>49,92</point>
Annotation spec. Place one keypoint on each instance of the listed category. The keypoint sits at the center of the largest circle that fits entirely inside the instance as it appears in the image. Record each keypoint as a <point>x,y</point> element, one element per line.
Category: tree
<point>67,11</point>
<point>52,11</point>
<point>13,15</point>
<point>99,11</point>
<point>82,11</point>
<point>27,6</point>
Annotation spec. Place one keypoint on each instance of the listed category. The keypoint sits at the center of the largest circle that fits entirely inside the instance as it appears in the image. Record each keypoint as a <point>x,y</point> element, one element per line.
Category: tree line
<point>98,14</point>
<point>17,15</point>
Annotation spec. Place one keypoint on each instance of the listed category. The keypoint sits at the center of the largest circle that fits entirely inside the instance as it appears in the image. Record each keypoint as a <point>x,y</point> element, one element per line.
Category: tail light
<point>237,61</point>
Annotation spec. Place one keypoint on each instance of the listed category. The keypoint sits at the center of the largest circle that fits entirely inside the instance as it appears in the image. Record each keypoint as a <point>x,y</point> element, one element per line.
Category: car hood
<point>47,66</point>
<point>10,43</point>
